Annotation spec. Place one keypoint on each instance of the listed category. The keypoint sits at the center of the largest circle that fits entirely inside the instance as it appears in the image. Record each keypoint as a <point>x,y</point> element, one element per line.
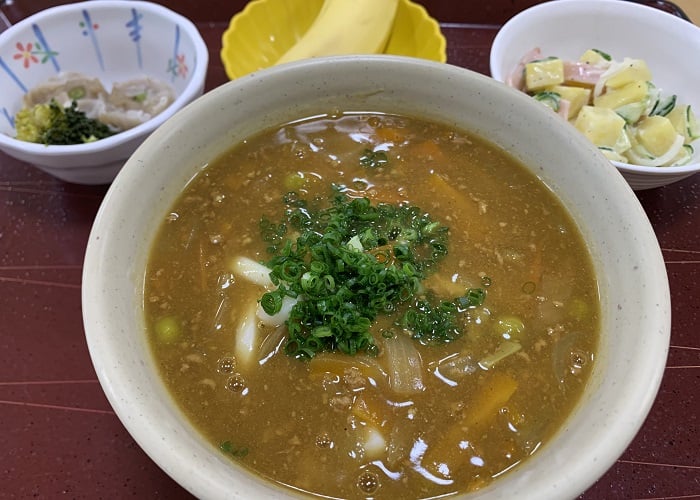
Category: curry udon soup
<point>369,305</point>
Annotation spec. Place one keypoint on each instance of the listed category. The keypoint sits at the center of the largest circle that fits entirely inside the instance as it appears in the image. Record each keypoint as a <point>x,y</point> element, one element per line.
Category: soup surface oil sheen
<point>405,418</point>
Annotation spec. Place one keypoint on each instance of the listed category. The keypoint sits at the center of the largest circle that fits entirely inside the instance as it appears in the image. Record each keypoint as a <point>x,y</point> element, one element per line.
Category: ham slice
<point>582,73</point>
<point>515,78</point>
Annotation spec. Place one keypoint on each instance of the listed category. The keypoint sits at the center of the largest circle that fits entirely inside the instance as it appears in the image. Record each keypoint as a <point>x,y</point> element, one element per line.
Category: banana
<point>346,27</point>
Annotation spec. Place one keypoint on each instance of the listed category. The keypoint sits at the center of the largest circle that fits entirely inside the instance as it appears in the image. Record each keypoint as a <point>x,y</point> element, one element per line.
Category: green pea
<point>168,329</point>
<point>294,182</point>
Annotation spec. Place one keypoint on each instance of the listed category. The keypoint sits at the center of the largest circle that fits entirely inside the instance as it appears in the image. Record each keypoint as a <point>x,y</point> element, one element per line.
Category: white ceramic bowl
<point>113,40</point>
<point>626,255</point>
<point>566,28</point>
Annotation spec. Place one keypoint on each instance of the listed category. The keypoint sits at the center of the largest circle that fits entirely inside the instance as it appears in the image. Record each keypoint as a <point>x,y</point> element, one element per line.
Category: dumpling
<point>65,88</point>
<point>135,101</point>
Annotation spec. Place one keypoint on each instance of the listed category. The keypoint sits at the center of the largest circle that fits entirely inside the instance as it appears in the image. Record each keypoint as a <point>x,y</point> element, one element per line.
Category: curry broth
<point>335,425</point>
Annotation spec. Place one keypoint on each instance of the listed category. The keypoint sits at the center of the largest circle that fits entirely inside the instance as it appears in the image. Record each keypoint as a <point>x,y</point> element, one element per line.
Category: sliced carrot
<point>389,134</point>
<point>428,149</point>
<point>444,457</point>
<point>336,364</point>
<point>464,207</point>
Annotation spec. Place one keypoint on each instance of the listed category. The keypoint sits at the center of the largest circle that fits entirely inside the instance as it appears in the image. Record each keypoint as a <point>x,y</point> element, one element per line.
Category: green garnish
<point>350,262</point>
<point>432,324</point>
<point>236,452</point>
<point>373,159</point>
<point>53,124</point>
<point>76,93</point>
<point>140,97</point>
<point>473,298</point>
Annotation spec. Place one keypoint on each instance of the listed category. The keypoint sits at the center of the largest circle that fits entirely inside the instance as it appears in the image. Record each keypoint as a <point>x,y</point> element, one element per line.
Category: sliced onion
<point>404,365</point>
<point>614,68</point>
<point>650,161</point>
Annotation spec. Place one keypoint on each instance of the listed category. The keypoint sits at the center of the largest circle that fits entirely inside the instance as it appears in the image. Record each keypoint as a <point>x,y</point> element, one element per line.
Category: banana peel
<point>345,27</point>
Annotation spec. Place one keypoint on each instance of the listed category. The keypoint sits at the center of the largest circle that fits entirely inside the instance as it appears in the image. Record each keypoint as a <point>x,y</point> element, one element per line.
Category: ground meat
<point>354,379</point>
<point>341,402</point>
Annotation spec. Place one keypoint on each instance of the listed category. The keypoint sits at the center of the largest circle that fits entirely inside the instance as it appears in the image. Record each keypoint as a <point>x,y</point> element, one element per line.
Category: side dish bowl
<point>566,28</point>
<point>114,41</point>
<point>258,35</point>
<point>635,303</point>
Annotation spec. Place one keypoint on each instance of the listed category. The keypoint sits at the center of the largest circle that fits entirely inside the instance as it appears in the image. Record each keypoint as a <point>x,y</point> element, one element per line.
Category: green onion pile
<point>347,261</point>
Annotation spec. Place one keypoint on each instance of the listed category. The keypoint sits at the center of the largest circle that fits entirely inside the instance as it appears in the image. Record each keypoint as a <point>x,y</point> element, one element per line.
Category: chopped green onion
<point>234,451</point>
<point>473,298</point>
<point>340,268</point>
<point>76,93</point>
<point>374,159</point>
<point>529,287</point>
<point>140,97</point>
<point>271,302</point>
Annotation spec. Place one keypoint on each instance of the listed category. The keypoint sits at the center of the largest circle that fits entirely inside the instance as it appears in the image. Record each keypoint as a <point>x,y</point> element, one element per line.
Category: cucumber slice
<point>692,124</point>
<point>632,112</point>
<point>685,122</point>
<point>684,156</point>
<point>653,97</point>
<point>663,106</point>
<point>602,54</point>
<point>548,98</point>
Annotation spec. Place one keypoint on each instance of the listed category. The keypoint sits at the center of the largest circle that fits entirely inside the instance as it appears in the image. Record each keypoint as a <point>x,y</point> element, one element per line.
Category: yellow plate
<point>258,35</point>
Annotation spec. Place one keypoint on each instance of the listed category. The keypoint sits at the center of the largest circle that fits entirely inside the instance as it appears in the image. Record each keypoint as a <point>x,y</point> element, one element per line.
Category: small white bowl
<point>566,28</point>
<point>635,302</point>
<point>113,40</point>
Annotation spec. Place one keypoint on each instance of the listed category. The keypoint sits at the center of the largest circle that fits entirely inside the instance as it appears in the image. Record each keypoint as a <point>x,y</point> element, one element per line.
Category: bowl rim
<point>190,91</point>
<point>559,6</point>
<point>624,421</point>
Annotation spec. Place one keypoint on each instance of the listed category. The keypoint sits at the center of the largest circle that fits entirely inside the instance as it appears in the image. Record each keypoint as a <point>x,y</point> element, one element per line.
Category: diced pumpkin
<point>656,134</point>
<point>544,73</point>
<point>636,91</point>
<point>603,127</point>
<point>632,70</point>
<point>577,97</point>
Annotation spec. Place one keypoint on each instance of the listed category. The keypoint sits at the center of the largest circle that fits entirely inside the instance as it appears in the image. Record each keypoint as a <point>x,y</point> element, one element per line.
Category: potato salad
<point>614,104</point>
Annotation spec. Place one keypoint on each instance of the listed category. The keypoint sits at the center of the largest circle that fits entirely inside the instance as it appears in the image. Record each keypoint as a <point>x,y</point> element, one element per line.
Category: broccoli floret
<point>53,124</point>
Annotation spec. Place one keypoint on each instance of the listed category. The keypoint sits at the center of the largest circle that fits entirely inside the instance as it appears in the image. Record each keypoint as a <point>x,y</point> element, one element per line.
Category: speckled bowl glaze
<point>627,259</point>
<point>113,40</point>
<point>567,28</point>
<point>258,35</point>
